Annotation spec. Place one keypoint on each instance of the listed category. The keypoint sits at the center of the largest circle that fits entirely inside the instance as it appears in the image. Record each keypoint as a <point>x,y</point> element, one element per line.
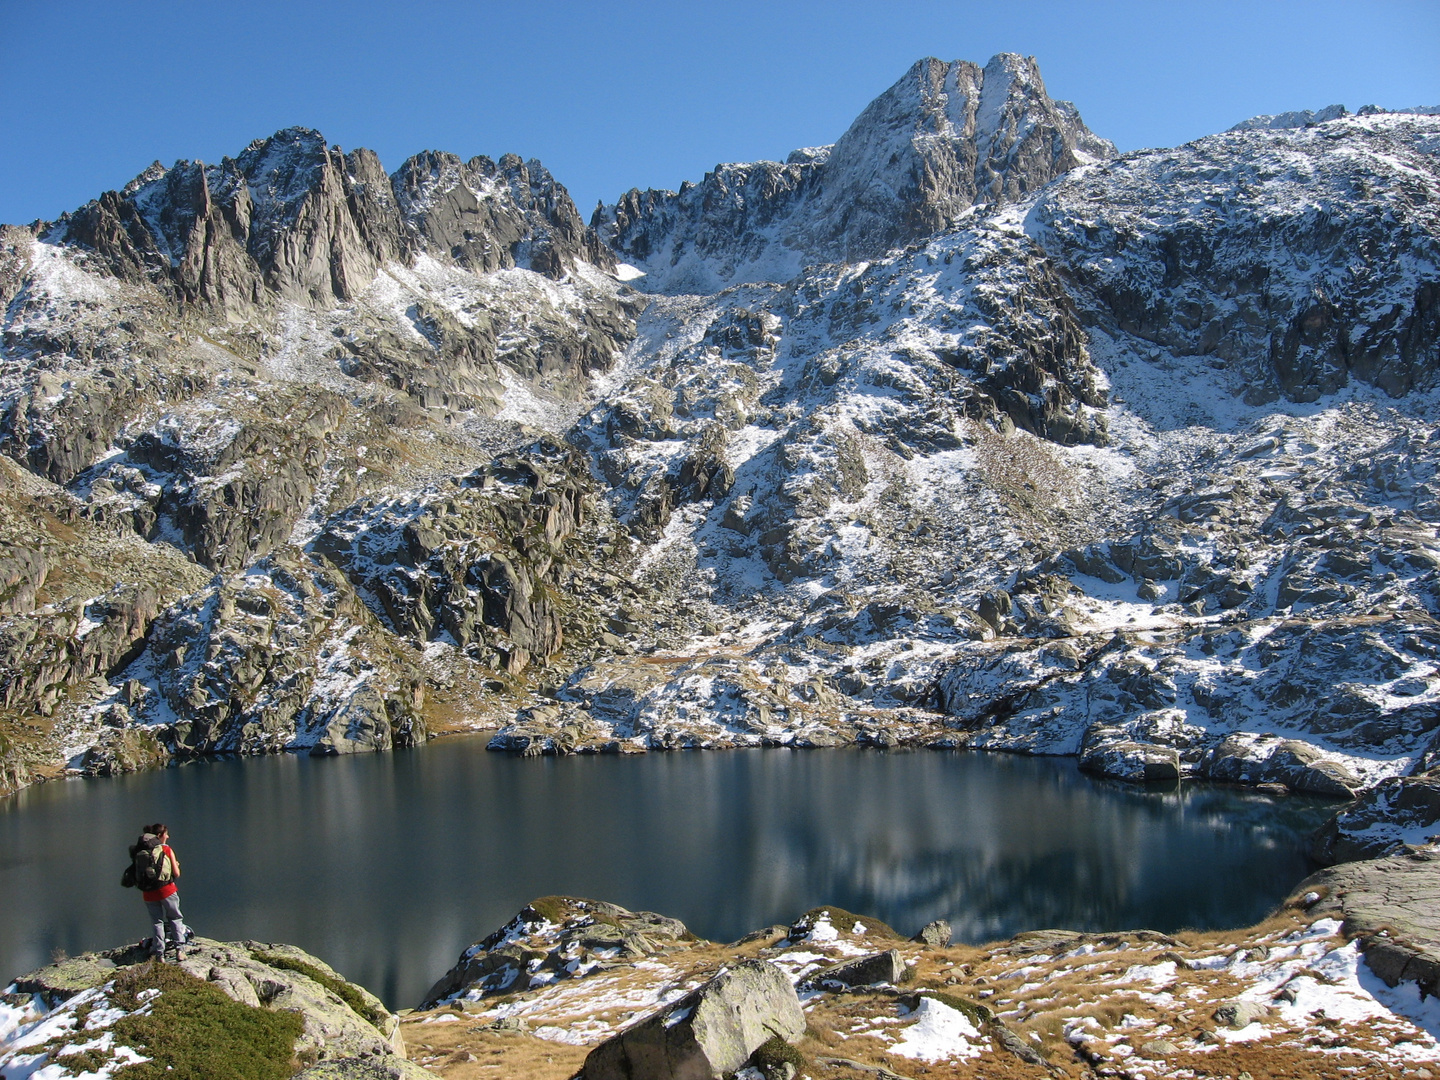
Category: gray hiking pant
<point>163,912</point>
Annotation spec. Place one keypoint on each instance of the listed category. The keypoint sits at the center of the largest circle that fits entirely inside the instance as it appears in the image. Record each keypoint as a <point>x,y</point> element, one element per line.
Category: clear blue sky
<point>616,95</point>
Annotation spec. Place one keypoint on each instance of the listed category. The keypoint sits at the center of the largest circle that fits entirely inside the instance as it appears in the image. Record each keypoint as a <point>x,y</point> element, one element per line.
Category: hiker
<point>155,870</point>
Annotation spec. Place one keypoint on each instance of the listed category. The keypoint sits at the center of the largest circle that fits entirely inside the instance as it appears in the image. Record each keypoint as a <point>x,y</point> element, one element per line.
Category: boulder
<point>935,934</point>
<point>884,967</point>
<point>709,1033</point>
<point>1239,1014</point>
<point>1110,753</point>
<point>1251,759</point>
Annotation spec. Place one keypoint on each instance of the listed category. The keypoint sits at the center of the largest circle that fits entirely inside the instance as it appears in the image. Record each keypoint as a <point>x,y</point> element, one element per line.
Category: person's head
<point>158,830</point>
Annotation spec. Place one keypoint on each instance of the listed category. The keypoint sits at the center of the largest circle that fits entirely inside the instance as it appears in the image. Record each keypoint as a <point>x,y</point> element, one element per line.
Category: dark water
<point>387,865</point>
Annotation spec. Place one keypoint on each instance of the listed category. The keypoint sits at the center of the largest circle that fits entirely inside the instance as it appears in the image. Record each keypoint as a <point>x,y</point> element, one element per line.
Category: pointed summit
<point>945,137</point>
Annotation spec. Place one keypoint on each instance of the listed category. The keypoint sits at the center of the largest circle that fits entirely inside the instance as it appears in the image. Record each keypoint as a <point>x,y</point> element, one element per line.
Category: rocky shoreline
<point>1341,978</point>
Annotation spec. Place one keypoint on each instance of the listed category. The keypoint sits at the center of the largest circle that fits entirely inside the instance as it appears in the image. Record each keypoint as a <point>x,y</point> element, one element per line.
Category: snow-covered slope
<point>1297,260</point>
<point>960,431</point>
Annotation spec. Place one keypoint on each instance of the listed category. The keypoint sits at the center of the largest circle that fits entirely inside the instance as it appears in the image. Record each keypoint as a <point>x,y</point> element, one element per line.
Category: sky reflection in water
<point>386,866</point>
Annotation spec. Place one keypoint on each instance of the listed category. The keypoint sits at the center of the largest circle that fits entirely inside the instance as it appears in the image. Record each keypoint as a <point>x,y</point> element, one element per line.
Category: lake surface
<point>387,865</point>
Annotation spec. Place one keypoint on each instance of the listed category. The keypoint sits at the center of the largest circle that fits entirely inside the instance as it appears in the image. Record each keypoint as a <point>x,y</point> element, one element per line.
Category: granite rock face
<point>294,219</point>
<point>487,216</point>
<point>283,656</point>
<point>290,217</point>
<point>1390,904</point>
<point>480,565</point>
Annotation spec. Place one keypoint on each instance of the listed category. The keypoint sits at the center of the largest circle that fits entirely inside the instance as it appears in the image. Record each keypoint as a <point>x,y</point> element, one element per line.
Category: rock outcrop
<point>1397,815</point>
<point>338,1019</point>
<point>283,656</point>
<point>1299,259</point>
<point>1389,906</point>
<point>555,937</point>
<point>1103,1001</point>
<point>480,564</point>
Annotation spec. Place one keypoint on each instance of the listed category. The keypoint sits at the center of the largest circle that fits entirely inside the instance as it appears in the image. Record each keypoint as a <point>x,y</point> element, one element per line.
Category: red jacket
<point>169,888</point>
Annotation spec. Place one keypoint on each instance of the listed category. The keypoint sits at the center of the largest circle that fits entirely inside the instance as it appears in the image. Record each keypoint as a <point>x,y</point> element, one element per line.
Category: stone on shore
<point>1392,817</point>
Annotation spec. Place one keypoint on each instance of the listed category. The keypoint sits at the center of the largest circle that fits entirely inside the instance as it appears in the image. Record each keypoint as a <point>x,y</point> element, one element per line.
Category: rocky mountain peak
<point>294,219</point>
<point>945,137</point>
<point>484,215</point>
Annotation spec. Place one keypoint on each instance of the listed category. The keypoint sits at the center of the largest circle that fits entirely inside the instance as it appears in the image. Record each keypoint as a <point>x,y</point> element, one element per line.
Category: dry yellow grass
<point>1122,992</point>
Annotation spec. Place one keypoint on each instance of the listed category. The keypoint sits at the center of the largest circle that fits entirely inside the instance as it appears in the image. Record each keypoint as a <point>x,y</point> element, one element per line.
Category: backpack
<point>149,868</point>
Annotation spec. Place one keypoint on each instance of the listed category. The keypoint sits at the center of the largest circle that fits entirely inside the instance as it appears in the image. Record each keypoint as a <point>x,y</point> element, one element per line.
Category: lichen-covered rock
<point>365,1068</point>
<point>1239,1014</point>
<point>341,1019</point>
<point>935,934</point>
<point>709,1033</point>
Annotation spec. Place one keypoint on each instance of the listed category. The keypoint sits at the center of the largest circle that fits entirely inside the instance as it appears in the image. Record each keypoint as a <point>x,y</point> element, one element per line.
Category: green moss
<point>774,1053</point>
<point>555,909</point>
<point>339,987</point>
<point>194,1030</point>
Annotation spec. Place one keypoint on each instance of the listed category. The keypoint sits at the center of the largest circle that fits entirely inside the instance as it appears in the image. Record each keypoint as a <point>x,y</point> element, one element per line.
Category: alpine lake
<point>386,866</point>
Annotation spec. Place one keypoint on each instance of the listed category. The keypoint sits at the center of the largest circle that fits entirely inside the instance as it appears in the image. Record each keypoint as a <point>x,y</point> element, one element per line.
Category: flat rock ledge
<point>1392,906</point>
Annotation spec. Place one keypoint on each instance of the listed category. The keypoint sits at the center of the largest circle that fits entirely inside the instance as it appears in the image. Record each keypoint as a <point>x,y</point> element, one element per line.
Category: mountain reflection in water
<point>387,865</point>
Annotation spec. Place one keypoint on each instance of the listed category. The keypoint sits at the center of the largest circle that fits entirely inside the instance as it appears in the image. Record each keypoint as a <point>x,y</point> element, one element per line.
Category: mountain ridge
<point>943,138</point>
<point>976,434</point>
